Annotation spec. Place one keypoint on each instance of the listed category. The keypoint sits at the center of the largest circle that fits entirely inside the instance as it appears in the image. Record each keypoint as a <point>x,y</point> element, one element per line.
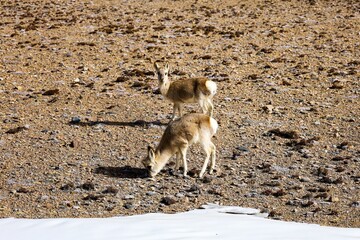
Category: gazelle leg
<point>176,105</point>
<point>183,151</point>
<point>213,158</point>
<point>179,107</point>
<point>178,161</point>
<point>208,149</point>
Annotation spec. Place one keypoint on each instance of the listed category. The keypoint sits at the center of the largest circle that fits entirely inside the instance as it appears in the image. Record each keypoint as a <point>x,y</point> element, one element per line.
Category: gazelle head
<point>163,74</point>
<point>149,162</point>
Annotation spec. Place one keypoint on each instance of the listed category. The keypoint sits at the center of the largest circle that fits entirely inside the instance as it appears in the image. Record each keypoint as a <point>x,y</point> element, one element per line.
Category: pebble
<point>150,193</point>
<point>129,205</point>
<point>268,109</point>
<point>179,195</point>
<point>111,190</point>
<point>168,200</point>
<point>88,186</point>
<point>128,197</point>
<point>75,120</point>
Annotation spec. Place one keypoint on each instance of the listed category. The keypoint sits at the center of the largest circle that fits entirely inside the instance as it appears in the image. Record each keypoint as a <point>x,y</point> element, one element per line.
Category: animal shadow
<point>136,123</point>
<point>122,172</point>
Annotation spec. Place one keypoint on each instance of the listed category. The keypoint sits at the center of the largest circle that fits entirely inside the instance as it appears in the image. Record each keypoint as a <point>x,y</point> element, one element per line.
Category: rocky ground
<point>79,105</point>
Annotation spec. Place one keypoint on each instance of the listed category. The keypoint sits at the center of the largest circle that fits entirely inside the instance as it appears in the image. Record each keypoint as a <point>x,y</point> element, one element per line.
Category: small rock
<point>322,171</point>
<point>207,179</point>
<point>93,197</point>
<point>337,85</point>
<point>285,133</point>
<point>129,205</point>
<point>333,199</point>
<point>128,197</point>
<point>110,190</point>
<point>168,200</point>
<point>75,120</point>
<point>88,186</point>
<point>67,187</point>
<point>151,193</point>
<point>214,191</point>
<point>268,109</point>
<point>51,92</point>
<point>307,203</point>
<point>74,144</point>
<point>15,130</point>
<point>179,195</point>
<point>194,188</point>
<point>23,190</point>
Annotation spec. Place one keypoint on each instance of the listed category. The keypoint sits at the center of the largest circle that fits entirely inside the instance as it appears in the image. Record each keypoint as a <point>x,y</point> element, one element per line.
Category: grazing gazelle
<point>178,136</point>
<point>190,90</point>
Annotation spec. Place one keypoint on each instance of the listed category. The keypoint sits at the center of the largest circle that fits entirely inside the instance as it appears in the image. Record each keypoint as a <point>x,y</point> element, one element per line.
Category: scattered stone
<point>179,195</point>
<point>207,179</point>
<point>321,171</point>
<point>285,133</point>
<point>15,130</point>
<point>74,144</point>
<point>129,205</point>
<point>23,190</point>
<point>88,186</point>
<point>268,109</point>
<point>337,85</point>
<point>301,143</point>
<point>307,203</point>
<point>51,92</point>
<point>128,197</point>
<point>334,199</point>
<point>110,190</point>
<point>322,195</point>
<point>68,187</point>
<point>239,151</point>
<point>216,192</point>
<point>122,79</point>
<point>194,189</point>
<point>168,200</point>
<point>343,145</point>
<point>193,172</point>
<point>93,197</point>
<point>75,120</point>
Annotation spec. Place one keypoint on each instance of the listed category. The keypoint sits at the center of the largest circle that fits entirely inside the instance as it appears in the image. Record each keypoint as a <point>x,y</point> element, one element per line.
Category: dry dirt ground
<point>79,104</point>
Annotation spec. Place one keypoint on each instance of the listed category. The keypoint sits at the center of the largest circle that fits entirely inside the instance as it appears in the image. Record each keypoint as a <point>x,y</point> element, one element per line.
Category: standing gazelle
<point>189,90</point>
<point>178,136</point>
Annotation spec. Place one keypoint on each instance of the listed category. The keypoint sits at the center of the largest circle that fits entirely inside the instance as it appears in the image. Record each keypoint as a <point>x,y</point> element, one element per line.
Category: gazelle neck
<point>161,159</point>
<point>164,87</point>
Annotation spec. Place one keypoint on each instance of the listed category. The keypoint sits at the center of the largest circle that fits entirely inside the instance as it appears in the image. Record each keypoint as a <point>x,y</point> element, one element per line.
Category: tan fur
<point>190,90</point>
<point>178,136</point>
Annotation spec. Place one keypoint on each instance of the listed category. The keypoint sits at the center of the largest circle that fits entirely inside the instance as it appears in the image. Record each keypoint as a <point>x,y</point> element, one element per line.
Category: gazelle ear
<point>151,154</point>
<point>167,68</point>
<point>156,66</point>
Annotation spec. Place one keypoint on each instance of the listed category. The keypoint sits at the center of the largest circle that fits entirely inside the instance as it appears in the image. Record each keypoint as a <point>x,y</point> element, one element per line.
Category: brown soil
<point>79,105</point>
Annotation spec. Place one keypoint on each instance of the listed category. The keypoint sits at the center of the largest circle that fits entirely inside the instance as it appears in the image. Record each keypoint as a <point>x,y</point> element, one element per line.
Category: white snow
<point>213,222</point>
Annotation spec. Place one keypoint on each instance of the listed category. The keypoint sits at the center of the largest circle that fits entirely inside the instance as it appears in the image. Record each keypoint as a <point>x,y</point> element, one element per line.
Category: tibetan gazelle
<point>178,136</point>
<point>190,90</point>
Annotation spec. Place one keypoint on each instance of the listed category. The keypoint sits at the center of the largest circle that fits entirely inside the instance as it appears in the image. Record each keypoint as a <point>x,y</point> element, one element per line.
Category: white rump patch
<point>211,86</point>
<point>214,125</point>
